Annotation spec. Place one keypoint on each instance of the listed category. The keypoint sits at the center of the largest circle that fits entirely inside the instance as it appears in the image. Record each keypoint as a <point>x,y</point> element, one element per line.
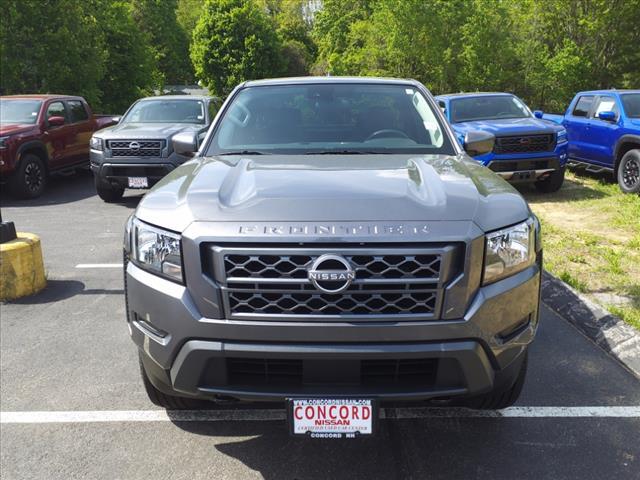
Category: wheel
<point>108,192</point>
<point>161,399</point>
<point>552,183</point>
<point>501,397</point>
<point>30,178</point>
<point>629,172</point>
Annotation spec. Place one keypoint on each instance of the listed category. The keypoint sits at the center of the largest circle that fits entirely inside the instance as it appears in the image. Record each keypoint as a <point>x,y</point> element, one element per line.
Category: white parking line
<point>99,265</point>
<point>272,414</point>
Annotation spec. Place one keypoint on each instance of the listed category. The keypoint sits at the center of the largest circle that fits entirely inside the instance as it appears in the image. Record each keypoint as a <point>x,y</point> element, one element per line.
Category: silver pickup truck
<point>137,152</point>
<point>333,246</point>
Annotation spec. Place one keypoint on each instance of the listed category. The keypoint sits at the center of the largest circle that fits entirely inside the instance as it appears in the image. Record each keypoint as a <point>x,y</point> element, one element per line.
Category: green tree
<point>234,41</point>
<point>157,18</point>
<point>130,70</point>
<point>51,46</point>
<point>488,59</point>
<point>293,23</point>
<point>187,14</point>
<point>332,31</point>
<point>571,45</point>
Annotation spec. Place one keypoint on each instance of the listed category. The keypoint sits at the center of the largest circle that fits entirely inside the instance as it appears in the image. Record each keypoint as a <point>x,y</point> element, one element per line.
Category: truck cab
<point>603,128</point>
<point>41,135</point>
<point>527,149</point>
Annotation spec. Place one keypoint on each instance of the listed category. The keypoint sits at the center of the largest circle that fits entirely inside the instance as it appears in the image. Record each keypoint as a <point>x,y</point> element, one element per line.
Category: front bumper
<point>117,170</point>
<point>188,354</point>
<point>526,167</point>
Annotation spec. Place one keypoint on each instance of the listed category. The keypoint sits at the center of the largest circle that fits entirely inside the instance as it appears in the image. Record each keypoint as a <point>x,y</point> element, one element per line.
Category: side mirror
<point>55,121</point>
<point>607,116</point>
<point>538,113</point>
<point>116,119</point>
<point>477,142</point>
<point>185,143</point>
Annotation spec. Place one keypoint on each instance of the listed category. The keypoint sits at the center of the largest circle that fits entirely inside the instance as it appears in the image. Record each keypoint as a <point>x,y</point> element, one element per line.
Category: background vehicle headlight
<point>509,251</point>
<point>95,143</point>
<point>3,142</point>
<point>157,250</point>
<point>562,136</point>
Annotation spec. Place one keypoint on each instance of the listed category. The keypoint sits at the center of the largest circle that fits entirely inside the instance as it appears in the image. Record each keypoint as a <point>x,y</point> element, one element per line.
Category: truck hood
<point>332,188</point>
<point>147,130</point>
<point>15,128</point>
<point>509,126</point>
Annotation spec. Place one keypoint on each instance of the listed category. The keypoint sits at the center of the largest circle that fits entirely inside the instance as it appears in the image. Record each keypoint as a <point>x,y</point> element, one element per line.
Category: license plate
<point>138,182</point>
<point>332,418</point>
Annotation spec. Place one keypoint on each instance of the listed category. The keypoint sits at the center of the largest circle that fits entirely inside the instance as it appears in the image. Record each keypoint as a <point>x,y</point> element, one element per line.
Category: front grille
<point>525,144</point>
<point>346,303</point>
<point>366,266</point>
<point>127,170</point>
<point>273,282</point>
<point>406,371</point>
<point>263,371</point>
<point>136,148</point>
<point>295,372</point>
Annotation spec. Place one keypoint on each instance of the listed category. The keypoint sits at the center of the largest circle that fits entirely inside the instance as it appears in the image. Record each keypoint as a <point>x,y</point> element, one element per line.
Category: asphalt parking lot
<point>66,353</point>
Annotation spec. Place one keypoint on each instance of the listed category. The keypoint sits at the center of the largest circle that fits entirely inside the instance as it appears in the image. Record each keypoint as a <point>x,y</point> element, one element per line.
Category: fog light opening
<point>514,330</point>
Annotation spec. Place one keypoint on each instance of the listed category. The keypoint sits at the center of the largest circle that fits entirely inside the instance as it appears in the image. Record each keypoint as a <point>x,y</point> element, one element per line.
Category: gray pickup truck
<point>333,246</point>
<point>137,152</point>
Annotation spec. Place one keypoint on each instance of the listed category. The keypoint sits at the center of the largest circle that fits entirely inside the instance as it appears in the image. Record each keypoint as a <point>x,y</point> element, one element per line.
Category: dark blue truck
<point>603,127</point>
<point>526,149</point>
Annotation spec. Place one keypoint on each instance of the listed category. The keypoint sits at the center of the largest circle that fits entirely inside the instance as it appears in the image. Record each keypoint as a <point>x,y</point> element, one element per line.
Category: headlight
<point>509,251</point>
<point>3,142</point>
<point>96,143</point>
<point>157,250</point>
<point>562,136</point>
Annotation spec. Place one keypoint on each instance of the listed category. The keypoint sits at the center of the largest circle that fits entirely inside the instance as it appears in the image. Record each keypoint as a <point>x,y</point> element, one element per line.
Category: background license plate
<point>327,418</point>
<point>138,182</point>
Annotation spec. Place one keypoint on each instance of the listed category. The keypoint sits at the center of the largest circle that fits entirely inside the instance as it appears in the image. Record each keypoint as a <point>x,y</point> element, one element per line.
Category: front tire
<point>108,192</point>
<point>501,397</point>
<point>629,172</point>
<point>30,178</point>
<point>552,183</point>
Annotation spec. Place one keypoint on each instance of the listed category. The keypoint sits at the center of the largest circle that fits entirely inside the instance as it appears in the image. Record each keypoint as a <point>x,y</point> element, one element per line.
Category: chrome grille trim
<point>407,284</point>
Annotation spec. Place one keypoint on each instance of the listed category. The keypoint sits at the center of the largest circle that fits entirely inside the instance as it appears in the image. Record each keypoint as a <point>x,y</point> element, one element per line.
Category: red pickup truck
<point>43,134</point>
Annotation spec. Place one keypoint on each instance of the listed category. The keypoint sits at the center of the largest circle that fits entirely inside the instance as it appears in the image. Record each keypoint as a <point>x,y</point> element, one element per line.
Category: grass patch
<point>569,279</point>
<point>591,239</point>
<point>628,314</point>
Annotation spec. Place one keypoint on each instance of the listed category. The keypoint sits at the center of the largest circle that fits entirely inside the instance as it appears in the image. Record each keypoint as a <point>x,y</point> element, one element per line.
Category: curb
<point>21,267</point>
<point>605,329</point>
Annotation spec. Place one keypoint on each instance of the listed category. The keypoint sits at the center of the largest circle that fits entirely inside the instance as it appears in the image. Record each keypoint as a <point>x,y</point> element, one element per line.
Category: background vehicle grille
<point>273,283</point>
<point>525,144</point>
<point>146,148</point>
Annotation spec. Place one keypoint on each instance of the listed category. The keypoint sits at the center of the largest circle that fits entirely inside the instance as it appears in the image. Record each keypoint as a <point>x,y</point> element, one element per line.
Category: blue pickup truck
<point>603,128</point>
<point>526,149</point>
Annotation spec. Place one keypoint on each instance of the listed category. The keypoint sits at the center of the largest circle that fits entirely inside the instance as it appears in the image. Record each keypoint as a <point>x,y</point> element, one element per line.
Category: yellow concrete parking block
<point>21,267</point>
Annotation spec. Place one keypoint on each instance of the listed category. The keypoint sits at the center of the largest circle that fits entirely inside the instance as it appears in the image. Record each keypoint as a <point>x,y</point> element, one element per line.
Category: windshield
<point>166,111</point>
<point>19,111</point>
<point>631,104</point>
<point>329,119</point>
<point>487,107</point>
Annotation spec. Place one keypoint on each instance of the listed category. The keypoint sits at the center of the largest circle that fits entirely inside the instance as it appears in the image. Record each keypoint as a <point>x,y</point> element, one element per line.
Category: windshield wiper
<point>345,152</point>
<point>244,152</point>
